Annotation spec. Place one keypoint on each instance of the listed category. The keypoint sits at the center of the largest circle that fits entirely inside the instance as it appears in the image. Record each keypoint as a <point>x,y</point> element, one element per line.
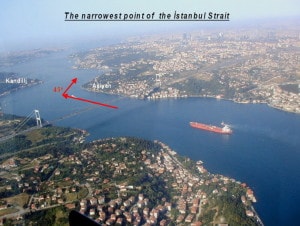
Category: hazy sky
<point>27,22</point>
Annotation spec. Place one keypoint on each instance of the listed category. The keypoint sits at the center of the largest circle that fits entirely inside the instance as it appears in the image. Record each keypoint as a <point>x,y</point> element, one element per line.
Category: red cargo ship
<point>223,130</point>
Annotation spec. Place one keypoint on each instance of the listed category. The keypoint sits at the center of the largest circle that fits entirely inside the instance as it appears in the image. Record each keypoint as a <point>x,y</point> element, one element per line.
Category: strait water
<point>263,151</point>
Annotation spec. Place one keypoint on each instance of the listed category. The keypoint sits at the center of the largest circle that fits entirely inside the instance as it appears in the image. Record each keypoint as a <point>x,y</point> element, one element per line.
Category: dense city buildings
<point>249,66</point>
<point>118,181</point>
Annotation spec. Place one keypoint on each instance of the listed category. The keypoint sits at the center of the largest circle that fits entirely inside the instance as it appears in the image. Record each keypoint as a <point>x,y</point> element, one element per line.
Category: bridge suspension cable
<point>19,128</point>
<point>22,123</point>
<point>35,113</point>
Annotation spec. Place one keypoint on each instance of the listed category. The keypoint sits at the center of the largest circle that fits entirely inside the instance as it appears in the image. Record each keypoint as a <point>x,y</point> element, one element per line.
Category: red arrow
<point>65,95</point>
<point>74,80</point>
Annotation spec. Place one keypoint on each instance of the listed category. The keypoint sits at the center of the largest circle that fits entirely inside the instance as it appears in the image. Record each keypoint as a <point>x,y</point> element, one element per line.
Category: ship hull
<point>210,128</point>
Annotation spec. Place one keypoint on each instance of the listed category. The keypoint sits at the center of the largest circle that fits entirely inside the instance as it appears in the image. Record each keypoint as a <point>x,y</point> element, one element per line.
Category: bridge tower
<point>38,118</point>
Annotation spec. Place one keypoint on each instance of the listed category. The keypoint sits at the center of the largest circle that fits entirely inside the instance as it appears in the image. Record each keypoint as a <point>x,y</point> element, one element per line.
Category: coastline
<point>20,88</point>
<point>195,96</point>
<point>261,201</point>
<point>186,173</point>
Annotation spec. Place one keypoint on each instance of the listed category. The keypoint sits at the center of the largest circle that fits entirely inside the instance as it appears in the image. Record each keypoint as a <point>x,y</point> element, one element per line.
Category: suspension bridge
<point>35,114</point>
<point>20,128</point>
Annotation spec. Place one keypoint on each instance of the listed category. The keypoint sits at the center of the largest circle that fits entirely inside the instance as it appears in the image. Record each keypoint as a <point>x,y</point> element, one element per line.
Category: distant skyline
<point>34,23</point>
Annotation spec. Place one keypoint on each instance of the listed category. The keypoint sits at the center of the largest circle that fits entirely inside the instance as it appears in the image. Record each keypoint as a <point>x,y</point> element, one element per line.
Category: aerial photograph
<point>175,112</point>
